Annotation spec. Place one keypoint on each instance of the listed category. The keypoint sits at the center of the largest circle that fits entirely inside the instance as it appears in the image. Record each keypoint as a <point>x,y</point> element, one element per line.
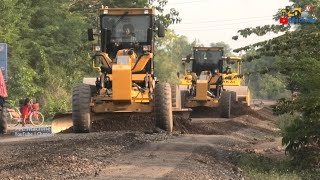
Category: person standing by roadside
<point>25,110</point>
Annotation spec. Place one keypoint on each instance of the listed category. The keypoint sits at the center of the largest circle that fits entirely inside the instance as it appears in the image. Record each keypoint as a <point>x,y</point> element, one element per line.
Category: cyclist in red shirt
<point>25,110</point>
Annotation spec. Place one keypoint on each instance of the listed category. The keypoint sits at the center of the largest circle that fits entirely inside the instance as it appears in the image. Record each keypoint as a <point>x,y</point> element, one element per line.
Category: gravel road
<point>202,149</point>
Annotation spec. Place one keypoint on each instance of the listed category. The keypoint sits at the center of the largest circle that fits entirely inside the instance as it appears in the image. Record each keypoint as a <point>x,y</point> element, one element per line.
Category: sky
<point>218,20</point>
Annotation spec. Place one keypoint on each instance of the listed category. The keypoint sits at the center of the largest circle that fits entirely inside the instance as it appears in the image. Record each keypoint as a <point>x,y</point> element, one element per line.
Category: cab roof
<point>129,11</point>
<point>208,48</point>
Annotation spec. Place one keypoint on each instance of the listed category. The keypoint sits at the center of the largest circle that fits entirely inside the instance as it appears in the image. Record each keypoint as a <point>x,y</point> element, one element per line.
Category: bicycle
<point>35,117</point>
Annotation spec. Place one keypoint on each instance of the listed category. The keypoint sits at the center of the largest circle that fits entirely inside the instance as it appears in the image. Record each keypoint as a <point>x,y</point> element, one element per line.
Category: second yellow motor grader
<point>206,89</point>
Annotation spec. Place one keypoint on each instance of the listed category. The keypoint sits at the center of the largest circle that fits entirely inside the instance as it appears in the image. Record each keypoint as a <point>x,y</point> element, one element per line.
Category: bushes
<point>300,124</point>
<point>302,140</point>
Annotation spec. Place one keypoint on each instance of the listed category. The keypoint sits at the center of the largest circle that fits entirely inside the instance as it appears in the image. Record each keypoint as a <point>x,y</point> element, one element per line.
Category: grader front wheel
<point>163,107</point>
<point>225,104</point>
<point>81,115</point>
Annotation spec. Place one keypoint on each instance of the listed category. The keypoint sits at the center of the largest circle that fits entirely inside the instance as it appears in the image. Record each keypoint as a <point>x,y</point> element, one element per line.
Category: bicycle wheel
<point>36,118</point>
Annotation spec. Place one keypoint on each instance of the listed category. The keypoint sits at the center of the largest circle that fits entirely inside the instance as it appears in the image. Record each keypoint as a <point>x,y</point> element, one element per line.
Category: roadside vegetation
<point>296,58</point>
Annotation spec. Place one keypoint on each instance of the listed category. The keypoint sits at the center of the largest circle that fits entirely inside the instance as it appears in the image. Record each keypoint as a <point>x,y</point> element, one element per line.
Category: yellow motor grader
<point>125,82</point>
<point>206,89</point>
<point>233,80</point>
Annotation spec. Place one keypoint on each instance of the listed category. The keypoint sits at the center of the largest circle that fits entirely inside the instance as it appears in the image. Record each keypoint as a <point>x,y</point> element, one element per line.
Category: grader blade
<point>242,93</point>
<point>61,122</point>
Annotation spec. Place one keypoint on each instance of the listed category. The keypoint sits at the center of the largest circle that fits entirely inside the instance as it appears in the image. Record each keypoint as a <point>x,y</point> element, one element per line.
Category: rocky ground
<point>204,148</point>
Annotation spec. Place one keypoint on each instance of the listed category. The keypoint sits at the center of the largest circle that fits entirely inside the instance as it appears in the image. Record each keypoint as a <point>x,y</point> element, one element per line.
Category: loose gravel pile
<point>146,122</point>
<point>67,156</point>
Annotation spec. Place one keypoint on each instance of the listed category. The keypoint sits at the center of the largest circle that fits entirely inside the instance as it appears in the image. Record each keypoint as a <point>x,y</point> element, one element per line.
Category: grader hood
<point>122,82</point>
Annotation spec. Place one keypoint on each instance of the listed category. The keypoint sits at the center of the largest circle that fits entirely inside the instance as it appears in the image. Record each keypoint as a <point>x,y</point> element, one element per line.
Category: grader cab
<point>125,83</point>
<point>234,82</point>
<point>206,89</point>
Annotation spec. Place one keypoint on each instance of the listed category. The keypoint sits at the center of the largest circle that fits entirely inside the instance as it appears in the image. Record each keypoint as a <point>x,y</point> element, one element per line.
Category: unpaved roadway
<point>206,150</point>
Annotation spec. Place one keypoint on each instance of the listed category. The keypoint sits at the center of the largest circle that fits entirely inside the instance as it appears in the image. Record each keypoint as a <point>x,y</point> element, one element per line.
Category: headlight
<point>147,48</point>
<point>216,71</point>
<point>97,48</point>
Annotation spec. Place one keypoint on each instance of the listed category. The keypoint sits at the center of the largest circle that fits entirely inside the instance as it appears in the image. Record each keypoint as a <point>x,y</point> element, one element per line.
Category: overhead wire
<point>211,25</point>
<point>222,20</point>
<point>186,2</point>
<point>209,28</point>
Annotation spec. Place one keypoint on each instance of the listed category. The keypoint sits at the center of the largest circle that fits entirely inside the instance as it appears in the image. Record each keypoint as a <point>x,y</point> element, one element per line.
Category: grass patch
<point>284,121</point>
<point>264,168</point>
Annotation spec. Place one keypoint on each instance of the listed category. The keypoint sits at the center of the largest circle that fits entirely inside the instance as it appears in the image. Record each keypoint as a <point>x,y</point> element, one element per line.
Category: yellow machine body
<point>202,76</point>
<point>202,97</point>
<point>125,80</point>
<point>234,81</point>
<point>121,82</point>
<point>186,79</point>
<point>125,97</point>
<point>291,11</point>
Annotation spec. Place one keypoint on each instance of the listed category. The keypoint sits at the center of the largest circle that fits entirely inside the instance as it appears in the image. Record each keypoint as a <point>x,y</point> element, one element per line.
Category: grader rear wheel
<point>81,115</point>
<point>3,117</point>
<point>163,107</point>
<point>173,95</point>
<point>225,104</point>
<point>3,123</point>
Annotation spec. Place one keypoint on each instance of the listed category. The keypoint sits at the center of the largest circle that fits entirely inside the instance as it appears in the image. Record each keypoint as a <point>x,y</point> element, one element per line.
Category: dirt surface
<point>203,148</point>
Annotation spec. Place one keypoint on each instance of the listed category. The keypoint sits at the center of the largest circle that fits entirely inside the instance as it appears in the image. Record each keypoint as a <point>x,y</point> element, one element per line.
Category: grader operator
<point>206,89</point>
<point>125,62</point>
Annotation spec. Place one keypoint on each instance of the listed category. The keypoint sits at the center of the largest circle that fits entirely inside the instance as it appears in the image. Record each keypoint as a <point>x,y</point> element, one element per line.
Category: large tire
<point>225,103</point>
<point>3,117</point>
<point>184,96</point>
<point>233,96</point>
<point>174,95</point>
<point>3,123</point>
<point>163,107</point>
<point>81,111</point>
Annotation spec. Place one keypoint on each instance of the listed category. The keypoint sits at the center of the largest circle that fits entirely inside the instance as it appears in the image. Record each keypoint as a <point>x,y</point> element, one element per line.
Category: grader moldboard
<point>206,88</point>
<point>126,81</point>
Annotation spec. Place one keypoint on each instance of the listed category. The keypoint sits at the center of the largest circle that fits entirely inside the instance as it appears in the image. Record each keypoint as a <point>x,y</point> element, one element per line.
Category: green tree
<point>227,48</point>
<point>90,7</point>
<point>297,52</point>
<point>168,56</point>
<point>46,54</point>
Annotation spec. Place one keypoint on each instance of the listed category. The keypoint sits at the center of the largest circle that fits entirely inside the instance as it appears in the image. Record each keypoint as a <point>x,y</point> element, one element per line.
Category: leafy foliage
<point>227,48</point>
<point>90,7</point>
<point>170,51</point>
<point>48,49</point>
<point>296,55</point>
